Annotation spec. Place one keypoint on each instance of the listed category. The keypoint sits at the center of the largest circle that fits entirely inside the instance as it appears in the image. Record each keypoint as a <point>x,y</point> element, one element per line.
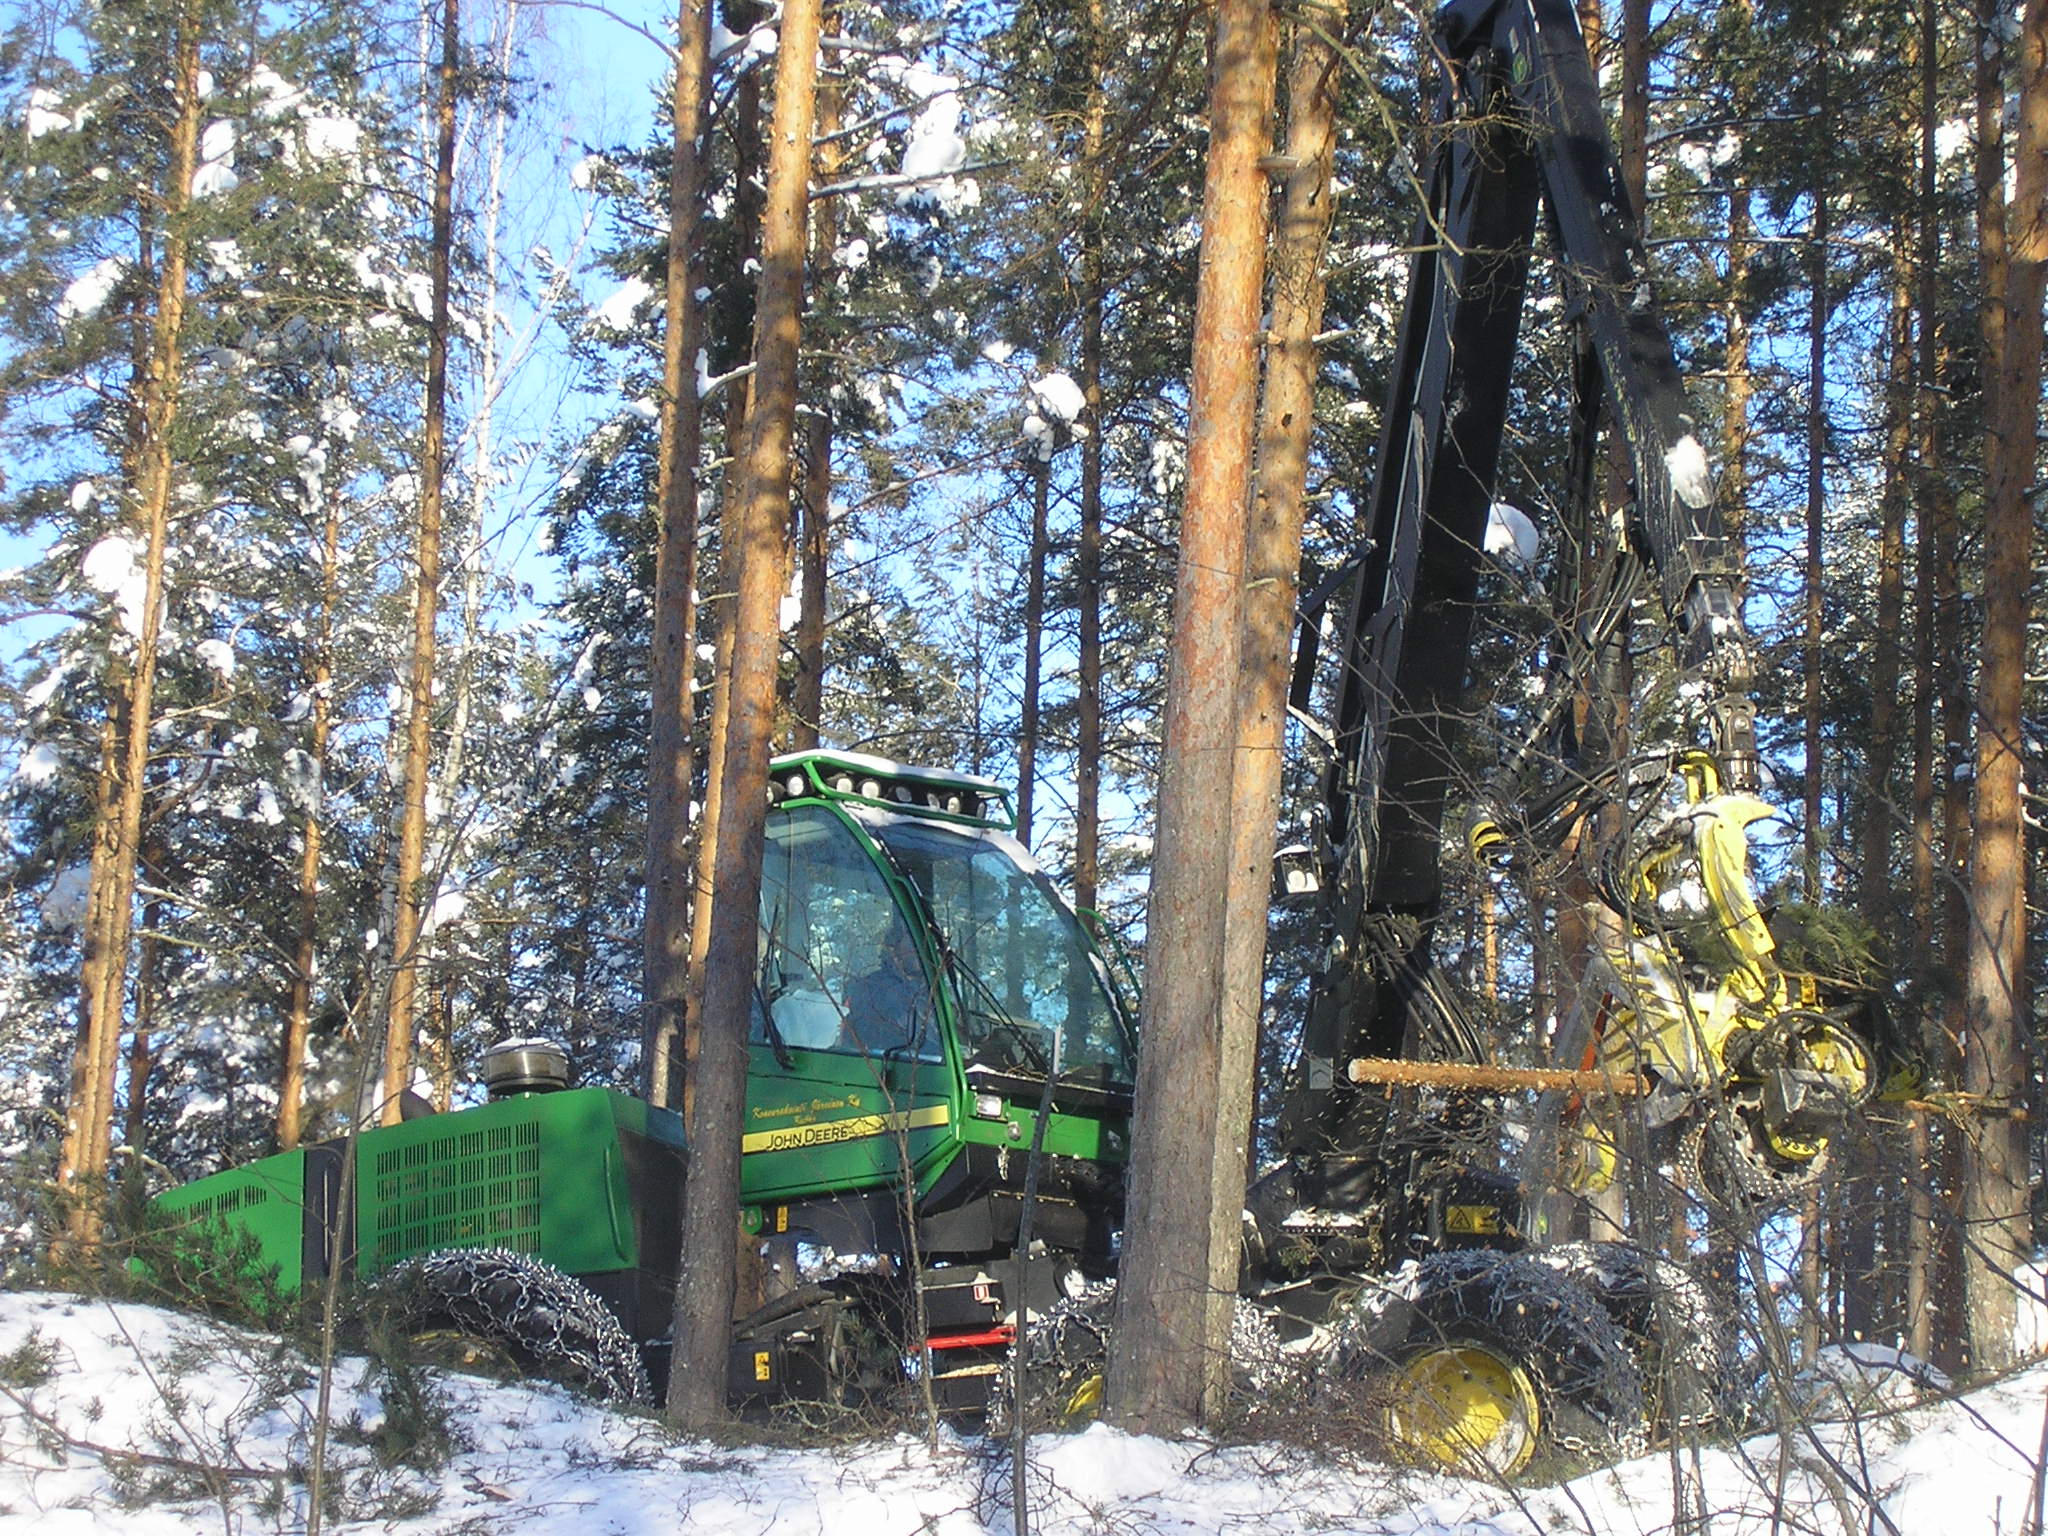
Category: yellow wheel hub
<point>1465,1407</point>
<point>1086,1403</point>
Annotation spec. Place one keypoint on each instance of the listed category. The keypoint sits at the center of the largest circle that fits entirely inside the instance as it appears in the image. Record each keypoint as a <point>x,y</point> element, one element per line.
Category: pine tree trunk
<point>665,936</point>
<point>117,837</point>
<point>1272,565</point>
<point>1169,1363</point>
<point>413,895</point>
<point>1869,1297</point>
<point>1040,471</point>
<point>1738,388</point>
<point>148,969</point>
<point>2014,242</point>
<point>291,1079</point>
<point>1088,548</point>
<point>1924,1232</point>
<point>745,116</point>
<point>814,543</point>
<point>807,699</point>
<point>707,1283</point>
<point>1816,482</point>
<point>1875,875</point>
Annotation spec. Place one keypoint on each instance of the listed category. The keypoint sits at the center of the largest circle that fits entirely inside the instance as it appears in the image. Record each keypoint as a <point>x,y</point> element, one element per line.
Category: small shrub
<point>418,1430</point>
<point>30,1364</point>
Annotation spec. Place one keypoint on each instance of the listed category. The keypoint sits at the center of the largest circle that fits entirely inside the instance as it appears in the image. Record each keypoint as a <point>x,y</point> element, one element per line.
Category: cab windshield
<point>1023,968</point>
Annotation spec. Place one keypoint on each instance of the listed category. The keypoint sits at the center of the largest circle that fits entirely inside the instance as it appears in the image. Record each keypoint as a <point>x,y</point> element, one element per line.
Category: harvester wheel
<point>1682,1334</point>
<point>1483,1362</point>
<point>1066,1357</point>
<point>1066,1362</point>
<point>488,1307</point>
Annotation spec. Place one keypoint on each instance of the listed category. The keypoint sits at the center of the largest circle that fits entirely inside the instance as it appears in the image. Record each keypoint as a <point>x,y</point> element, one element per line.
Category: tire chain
<point>1683,1334</point>
<point>545,1318</point>
<point>1550,1323</point>
<point>1069,1343</point>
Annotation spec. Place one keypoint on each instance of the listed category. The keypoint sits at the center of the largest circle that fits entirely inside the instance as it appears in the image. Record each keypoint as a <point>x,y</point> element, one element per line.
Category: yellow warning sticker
<point>1471,1220</point>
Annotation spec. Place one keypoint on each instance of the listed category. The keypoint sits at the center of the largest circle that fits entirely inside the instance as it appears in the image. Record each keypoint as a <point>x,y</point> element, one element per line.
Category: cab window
<point>840,968</point>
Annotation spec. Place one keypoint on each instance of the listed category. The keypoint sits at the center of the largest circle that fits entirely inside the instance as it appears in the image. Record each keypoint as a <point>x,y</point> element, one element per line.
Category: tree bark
<point>117,834</point>
<point>140,1058</point>
<point>1738,389</point>
<point>745,121</point>
<point>1869,1293</point>
<point>413,895</point>
<point>291,1077</point>
<point>707,1283</point>
<point>1923,1232</point>
<point>814,545</point>
<point>1040,471</point>
<point>1088,547</point>
<point>671,776</point>
<point>1169,1360</point>
<point>1272,564</point>
<point>1816,476</point>
<point>2014,242</point>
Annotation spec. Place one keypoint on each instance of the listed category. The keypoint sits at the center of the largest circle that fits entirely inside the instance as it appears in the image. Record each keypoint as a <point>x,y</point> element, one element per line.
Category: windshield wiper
<point>1014,1030</point>
<point>776,1043</point>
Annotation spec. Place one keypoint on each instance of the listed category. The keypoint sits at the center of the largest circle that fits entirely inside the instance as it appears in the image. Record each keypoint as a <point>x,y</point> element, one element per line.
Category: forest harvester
<point>934,1029</point>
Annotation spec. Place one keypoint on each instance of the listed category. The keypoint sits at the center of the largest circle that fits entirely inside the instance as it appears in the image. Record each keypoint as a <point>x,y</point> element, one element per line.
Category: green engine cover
<point>541,1173</point>
<point>264,1202</point>
<point>545,1174</point>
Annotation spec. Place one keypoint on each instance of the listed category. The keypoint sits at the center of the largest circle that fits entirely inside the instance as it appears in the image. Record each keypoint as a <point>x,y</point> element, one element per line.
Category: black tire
<point>1066,1358</point>
<point>1683,1334</point>
<point>1501,1311</point>
<point>522,1310</point>
<point>1066,1353</point>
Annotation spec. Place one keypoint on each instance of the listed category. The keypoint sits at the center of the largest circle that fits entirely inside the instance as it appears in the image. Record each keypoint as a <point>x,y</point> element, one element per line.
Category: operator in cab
<point>891,1005</point>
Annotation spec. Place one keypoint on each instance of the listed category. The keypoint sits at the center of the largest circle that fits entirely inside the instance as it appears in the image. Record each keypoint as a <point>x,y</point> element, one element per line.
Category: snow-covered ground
<point>123,1417</point>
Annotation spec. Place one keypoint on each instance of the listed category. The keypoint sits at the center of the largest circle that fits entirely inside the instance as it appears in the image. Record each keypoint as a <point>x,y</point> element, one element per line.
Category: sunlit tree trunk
<point>707,1282</point>
<point>1272,563</point>
<point>291,1080</point>
<point>117,833</point>
<point>814,535</point>
<point>413,893</point>
<point>1169,1362</point>
<point>2014,244</point>
<point>665,938</point>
